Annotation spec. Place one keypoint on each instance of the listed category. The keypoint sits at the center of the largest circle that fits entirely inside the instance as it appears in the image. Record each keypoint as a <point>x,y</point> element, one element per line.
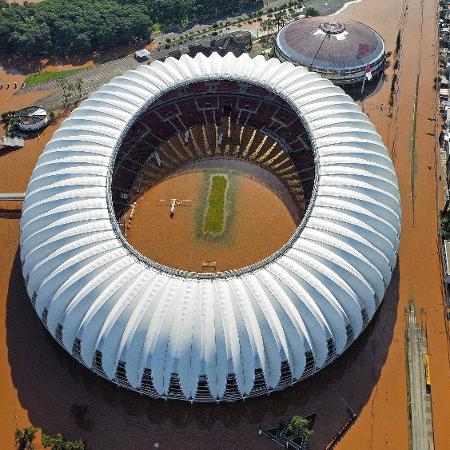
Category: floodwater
<point>252,213</point>
<point>8,99</point>
<point>383,421</point>
<point>40,382</point>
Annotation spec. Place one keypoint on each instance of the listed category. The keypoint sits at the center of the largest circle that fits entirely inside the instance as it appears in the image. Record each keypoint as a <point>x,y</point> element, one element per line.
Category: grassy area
<point>44,77</point>
<point>214,220</point>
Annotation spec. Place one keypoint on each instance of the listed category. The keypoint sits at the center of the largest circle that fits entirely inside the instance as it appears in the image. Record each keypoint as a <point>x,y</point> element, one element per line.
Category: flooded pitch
<point>256,223</point>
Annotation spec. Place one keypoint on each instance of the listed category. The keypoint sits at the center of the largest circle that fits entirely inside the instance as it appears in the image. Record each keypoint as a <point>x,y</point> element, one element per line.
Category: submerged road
<point>419,401</point>
<point>14,196</point>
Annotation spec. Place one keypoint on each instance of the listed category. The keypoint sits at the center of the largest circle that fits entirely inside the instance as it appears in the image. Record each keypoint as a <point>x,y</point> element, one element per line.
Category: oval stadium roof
<point>229,335</point>
<point>325,44</point>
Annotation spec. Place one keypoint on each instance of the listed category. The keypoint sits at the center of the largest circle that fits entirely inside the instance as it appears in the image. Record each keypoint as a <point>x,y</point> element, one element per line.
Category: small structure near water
<point>142,55</point>
<point>237,42</point>
<point>11,142</point>
<point>32,119</point>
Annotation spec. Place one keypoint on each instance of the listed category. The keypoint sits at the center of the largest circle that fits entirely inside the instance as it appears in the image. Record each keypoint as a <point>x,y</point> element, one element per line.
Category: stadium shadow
<point>50,382</point>
<point>13,213</point>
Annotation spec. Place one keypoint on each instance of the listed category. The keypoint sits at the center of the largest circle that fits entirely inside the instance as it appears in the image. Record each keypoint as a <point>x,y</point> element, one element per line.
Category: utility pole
<point>364,84</point>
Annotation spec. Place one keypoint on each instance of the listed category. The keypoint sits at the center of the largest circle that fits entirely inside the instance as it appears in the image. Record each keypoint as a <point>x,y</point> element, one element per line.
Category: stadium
<point>341,50</point>
<point>175,332</point>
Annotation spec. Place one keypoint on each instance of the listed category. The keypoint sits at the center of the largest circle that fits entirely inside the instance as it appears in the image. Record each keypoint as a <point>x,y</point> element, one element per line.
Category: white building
<point>32,118</point>
<point>142,55</point>
<point>211,336</point>
<point>339,49</point>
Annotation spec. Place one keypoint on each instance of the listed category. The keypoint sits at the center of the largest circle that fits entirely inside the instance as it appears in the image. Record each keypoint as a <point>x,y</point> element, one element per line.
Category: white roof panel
<point>269,324</point>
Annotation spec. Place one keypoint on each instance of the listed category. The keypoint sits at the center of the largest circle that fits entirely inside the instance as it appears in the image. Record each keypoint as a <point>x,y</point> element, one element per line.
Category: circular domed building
<point>219,336</point>
<point>339,49</point>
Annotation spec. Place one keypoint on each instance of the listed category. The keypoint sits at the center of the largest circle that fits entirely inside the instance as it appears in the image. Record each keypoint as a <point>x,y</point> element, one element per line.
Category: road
<point>18,196</point>
<point>421,430</point>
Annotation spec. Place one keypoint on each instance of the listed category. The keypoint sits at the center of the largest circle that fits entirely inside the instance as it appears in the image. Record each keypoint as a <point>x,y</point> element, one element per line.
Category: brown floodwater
<point>383,421</point>
<point>40,383</point>
<point>257,223</point>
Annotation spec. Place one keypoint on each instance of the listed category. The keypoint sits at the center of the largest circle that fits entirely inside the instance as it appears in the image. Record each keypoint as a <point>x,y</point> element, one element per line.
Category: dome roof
<point>231,333</point>
<point>326,43</point>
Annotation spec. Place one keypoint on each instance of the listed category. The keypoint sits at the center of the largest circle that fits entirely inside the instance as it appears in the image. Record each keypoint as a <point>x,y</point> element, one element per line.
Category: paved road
<point>420,402</point>
<point>10,197</point>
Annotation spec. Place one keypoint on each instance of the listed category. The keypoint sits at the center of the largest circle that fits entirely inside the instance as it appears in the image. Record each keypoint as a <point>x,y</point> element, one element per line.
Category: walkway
<point>12,197</point>
<point>421,421</point>
<point>92,79</point>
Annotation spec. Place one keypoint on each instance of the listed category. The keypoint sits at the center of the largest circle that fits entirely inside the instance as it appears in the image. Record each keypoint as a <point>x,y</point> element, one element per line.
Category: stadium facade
<point>341,50</point>
<point>210,336</point>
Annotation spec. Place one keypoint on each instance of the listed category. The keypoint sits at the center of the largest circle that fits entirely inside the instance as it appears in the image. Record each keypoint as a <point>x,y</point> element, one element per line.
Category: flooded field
<point>252,212</point>
<point>40,383</point>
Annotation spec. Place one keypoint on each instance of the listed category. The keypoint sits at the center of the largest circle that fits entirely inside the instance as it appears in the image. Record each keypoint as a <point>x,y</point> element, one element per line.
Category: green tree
<point>63,27</point>
<point>79,87</point>
<point>299,426</point>
<point>445,226</point>
<point>24,438</point>
<point>311,12</point>
<point>264,26</point>
<point>280,19</point>
<point>268,25</point>
<point>67,92</point>
<point>58,442</point>
<point>82,43</point>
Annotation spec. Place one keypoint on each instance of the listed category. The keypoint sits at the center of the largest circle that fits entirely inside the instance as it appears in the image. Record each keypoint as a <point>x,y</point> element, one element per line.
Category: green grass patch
<point>44,77</point>
<point>214,220</point>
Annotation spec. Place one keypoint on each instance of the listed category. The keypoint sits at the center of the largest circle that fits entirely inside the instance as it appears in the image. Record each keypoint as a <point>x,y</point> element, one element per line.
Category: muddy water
<point>8,100</point>
<point>257,224</point>
<point>420,277</point>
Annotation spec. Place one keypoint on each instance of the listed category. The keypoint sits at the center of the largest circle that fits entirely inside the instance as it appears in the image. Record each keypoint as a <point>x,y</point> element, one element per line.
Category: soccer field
<point>236,211</point>
<point>214,220</point>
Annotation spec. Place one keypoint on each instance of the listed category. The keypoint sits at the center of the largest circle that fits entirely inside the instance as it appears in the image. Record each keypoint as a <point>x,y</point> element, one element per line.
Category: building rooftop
<point>218,336</point>
<point>447,255</point>
<point>325,43</point>
<point>142,54</point>
<point>32,115</point>
<point>13,142</point>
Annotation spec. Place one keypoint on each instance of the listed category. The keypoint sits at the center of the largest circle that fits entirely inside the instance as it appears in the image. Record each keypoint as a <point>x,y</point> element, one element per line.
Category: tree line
<point>72,27</point>
<point>174,13</point>
<point>277,20</point>
<point>24,439</point>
